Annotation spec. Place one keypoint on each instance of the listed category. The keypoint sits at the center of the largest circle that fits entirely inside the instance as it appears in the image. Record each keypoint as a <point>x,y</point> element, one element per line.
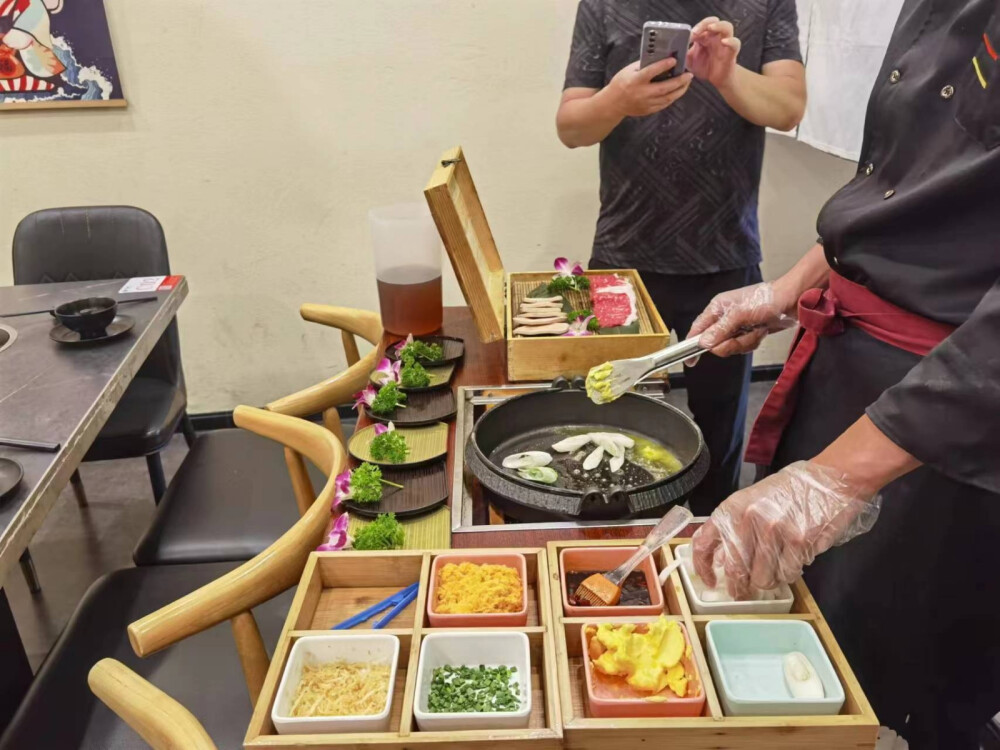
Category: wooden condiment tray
<point>494,296</point>
<point>855,727</point>
<point>336,585</point>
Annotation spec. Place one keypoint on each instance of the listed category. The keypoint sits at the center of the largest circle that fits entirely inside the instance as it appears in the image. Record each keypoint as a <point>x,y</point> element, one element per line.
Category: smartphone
<point>661,40</point>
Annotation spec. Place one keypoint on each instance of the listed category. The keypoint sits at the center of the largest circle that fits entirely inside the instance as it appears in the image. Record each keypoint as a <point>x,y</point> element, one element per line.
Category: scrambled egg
<point>649,661</point>
<point>599,384</point>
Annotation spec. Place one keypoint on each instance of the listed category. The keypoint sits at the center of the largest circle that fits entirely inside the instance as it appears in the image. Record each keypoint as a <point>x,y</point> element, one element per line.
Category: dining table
<point>485,364</point>
<point>61,393</point>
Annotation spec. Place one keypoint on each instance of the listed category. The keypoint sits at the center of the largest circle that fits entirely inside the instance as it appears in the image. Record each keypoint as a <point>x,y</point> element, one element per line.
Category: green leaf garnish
<point>422,350</point>
<point>385,532</point>
<point>390,447</point>
<point>593,325</point>
<point>413,374</point>
<point>564,284</point>
<point>389,397</point>
<point>366,484</point>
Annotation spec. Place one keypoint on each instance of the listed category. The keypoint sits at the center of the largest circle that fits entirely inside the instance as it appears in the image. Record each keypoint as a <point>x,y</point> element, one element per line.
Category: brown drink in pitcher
<point>407,268</point>
<point>410,299</point>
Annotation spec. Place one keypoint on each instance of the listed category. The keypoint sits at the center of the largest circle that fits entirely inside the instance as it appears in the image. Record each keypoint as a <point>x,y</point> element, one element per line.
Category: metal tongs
<point>395,604</point>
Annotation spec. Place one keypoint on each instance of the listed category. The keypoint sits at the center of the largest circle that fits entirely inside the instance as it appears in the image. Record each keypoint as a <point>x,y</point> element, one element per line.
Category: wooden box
<point>855,727</point>
<point>336,585</point>
<point>493,296</point>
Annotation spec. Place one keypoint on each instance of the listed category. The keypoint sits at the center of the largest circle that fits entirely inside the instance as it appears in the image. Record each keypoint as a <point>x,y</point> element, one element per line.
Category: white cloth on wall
<point>843,43</point>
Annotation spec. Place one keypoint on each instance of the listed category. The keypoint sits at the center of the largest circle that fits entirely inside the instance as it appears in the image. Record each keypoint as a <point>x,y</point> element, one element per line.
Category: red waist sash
<point>827,313</point>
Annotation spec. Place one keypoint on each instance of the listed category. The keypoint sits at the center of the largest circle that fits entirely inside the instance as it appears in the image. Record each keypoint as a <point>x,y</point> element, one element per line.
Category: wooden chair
<point>199,670</point>
<point>229,471</point>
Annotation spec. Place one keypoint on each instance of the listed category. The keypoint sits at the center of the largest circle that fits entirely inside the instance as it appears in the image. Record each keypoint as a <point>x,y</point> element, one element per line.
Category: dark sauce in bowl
<point>634,589</point>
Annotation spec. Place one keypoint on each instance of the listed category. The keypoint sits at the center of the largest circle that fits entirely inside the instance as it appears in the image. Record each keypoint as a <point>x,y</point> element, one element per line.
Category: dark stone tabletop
<point>56,393</point>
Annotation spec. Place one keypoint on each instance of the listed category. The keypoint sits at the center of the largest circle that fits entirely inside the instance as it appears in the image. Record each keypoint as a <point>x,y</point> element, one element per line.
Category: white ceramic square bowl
<point>746,658</point>
<point>323,649</point>
<point>459,649</point>
<point>694,587</point>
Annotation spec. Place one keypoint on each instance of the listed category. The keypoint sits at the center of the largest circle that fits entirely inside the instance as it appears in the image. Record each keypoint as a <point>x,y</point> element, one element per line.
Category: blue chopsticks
<point>395,604</point>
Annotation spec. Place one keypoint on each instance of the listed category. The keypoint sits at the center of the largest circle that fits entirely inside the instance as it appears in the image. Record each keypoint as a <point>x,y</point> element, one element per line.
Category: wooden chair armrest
<point>273,570</point>
<point>159,719</point>
<point>363,323</point>
<point>340,388</point>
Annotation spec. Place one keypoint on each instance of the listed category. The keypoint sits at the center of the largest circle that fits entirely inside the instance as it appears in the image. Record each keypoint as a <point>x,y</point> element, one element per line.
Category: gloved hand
<point>755,306</point>
<point>766,534</point>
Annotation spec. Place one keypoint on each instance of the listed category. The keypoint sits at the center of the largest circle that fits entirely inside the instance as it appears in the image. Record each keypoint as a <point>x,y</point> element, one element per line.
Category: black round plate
<point>422,408</point>
<point>121,325</point>
<point>453,349</point>
<point>10,477</point>
<point>424,489</point>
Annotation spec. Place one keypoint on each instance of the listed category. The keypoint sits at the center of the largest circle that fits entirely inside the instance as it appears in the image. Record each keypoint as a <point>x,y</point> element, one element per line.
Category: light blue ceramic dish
<point>746,660</point>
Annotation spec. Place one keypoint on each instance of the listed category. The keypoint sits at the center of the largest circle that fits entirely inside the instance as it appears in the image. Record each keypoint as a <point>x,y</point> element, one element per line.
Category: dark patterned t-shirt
<point>679,188</point>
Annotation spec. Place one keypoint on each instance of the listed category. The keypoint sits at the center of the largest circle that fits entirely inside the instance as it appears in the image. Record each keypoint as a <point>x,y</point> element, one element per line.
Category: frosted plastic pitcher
<point>407,267</point>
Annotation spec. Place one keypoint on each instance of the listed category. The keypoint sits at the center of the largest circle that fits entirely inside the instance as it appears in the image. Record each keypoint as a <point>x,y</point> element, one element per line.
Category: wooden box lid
<point>454,203</point>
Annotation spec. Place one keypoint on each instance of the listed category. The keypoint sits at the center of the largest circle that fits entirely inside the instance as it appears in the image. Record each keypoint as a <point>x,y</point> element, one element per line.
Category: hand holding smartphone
<point>661,40</point>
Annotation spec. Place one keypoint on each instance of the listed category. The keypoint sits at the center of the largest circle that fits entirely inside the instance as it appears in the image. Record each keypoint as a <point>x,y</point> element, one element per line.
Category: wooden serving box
<point>855,727</point>
<point>495,296</point>
<point>336,585</point>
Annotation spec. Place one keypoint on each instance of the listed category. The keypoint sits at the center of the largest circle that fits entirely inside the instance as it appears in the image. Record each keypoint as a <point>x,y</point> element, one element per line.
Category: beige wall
<point>260,133</point>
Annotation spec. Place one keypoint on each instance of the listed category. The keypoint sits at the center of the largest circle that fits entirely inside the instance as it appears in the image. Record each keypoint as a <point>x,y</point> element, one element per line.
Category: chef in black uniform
<point>889,404</point>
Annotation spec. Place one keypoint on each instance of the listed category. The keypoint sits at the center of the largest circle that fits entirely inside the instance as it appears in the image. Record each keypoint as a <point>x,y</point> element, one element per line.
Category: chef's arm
<point>810,272</point>
<point>867,456</point>
<point>946,411</point>
<point>774,98</point>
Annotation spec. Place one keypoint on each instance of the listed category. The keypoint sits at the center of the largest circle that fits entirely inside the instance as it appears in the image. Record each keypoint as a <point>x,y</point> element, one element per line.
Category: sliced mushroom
<point>541,311</point>
<point>623,440</point>
<point>543,299</point>
<point>616,463</point>
<point>552,329</point>
<point>522,321</point>
<point>570,444</point>
<point>527,460</point>
<point>542,314</point>
<point>594,459</point>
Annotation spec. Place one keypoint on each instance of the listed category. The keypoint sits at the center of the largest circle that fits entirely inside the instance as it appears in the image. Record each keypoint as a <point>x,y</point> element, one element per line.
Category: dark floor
<point>77,545</point>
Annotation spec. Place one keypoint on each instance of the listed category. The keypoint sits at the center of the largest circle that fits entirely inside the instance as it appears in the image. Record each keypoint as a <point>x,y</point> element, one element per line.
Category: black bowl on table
<point>542,417</point>
<point>89,317</point>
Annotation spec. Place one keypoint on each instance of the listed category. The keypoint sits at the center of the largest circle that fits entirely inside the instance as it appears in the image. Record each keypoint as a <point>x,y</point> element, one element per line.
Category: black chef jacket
<point>920,226</point>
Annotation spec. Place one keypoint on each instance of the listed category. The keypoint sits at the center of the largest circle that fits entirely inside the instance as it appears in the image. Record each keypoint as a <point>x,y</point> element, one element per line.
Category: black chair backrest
<point>91,243</point>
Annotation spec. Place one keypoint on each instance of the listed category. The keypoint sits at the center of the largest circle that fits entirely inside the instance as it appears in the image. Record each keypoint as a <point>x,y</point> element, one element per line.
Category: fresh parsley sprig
<point>564,284</point>
<point>388,399</point>
<point>366,484</point>
<point>422,350</point>
<point>390,447</point>
<point>413,374</point>
<point>385,532</point>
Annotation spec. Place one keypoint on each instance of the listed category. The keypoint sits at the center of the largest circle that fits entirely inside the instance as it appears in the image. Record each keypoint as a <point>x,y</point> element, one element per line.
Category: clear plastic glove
<point>766,534</point>
<point>753,309</point>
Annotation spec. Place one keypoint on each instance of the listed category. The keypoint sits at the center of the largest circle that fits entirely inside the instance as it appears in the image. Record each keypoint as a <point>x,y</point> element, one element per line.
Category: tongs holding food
<point>395,604</point>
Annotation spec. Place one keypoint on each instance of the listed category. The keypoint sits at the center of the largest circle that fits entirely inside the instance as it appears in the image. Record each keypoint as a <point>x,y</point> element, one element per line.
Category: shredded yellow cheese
<point>468,588</point>
<point>341,689</point>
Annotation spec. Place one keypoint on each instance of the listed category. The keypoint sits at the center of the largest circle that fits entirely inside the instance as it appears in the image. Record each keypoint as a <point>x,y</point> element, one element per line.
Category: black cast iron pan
<point>534,419</point>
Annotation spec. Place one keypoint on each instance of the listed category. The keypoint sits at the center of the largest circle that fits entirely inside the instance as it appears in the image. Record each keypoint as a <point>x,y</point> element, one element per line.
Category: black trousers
<point>716,388</point>
<point>914,602</point>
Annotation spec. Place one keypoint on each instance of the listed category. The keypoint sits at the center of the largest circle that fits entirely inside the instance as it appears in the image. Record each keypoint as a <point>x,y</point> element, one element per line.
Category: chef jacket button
<point>869,168</point>
<point>888,194</point>
<point>894,76</point>
<point>947,92</point>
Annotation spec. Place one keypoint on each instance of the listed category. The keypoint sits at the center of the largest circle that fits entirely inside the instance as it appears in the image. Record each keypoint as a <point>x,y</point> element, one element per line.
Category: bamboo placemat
<point>432,531</point>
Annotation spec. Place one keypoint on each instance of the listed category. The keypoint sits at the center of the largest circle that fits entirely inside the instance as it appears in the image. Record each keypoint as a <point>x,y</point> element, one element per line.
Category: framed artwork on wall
<point>56,54</point>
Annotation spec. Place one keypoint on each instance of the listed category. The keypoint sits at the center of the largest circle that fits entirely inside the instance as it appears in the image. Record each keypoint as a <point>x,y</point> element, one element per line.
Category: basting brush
<point>605,589</point>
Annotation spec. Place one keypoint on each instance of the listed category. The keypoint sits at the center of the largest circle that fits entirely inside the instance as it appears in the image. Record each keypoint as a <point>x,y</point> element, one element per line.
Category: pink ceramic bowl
<point>488,619</point>
<point>613,698</point>
<point>574,559</point>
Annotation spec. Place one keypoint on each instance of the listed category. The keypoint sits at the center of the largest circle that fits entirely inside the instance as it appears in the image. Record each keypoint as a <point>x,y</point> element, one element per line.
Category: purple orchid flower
<point>381,429</point>
<point>389,370</point>
<point>579,327</point>
<point>365,397</point>
<point>338,538</point>
<point>343,491</point>
<point>566,268</point>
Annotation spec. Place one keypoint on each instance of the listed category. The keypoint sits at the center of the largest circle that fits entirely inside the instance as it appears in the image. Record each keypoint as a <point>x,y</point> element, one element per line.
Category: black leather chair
<point>114,242</point>
<point>232,496</point>
<point>198,665</point>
